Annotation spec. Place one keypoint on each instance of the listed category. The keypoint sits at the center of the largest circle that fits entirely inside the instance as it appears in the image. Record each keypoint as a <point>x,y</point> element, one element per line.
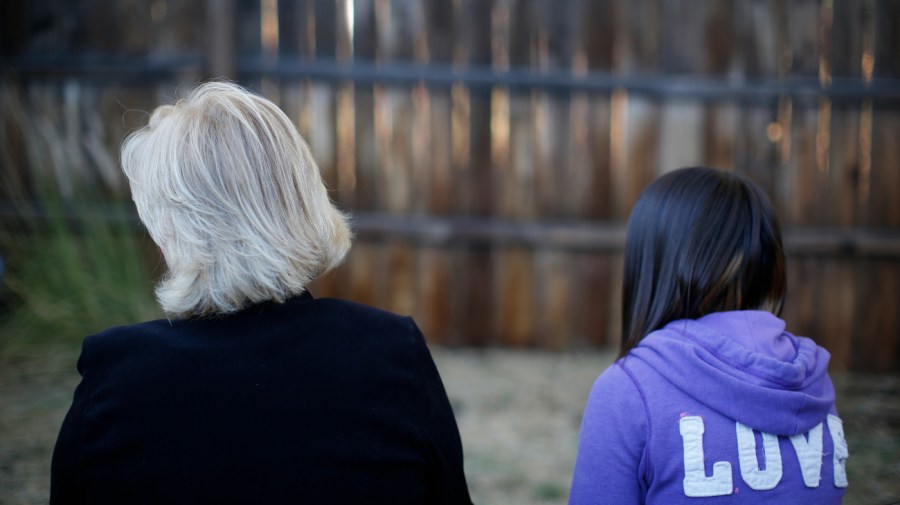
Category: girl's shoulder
<point>614,441</point>
<point>617,376</point>
<point>627,375</point>
<point>617,391</point>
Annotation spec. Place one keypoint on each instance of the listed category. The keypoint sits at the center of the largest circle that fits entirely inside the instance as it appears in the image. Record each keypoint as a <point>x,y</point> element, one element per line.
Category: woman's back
<point>310,401</point>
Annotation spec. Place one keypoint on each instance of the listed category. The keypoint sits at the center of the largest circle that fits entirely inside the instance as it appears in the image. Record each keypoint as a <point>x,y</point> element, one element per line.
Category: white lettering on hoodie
<point>696,483</point>
<point>836,429</point>
<point>758,478</point>
<point>809,454</point>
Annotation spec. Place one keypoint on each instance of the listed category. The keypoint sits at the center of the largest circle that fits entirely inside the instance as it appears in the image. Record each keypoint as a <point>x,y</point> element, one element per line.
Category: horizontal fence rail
<point>601,237</point>
<point>806,90</point>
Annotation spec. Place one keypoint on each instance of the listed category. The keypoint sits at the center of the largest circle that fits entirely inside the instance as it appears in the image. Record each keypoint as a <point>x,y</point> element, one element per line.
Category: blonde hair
<point>230,193</point>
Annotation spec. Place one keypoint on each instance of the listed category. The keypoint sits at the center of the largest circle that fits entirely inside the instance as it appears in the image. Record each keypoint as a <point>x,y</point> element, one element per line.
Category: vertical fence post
<point>220,37</point>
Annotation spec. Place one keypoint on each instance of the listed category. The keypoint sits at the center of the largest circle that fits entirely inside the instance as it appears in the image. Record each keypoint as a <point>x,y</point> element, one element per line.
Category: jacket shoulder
<point>117,341</point>
<point>351,313</point>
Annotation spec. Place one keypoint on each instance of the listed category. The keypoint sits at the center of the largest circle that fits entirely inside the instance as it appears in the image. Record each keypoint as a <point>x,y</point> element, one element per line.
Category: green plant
<point>76,261</point>
<point>72,276</point>
<point>551,491</point>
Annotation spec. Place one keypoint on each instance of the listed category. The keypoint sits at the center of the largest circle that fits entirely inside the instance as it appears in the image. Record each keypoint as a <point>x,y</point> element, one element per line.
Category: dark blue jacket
<point>310,401</point>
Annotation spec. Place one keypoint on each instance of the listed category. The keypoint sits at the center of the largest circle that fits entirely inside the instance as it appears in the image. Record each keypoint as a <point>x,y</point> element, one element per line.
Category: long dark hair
<point>699,241</point>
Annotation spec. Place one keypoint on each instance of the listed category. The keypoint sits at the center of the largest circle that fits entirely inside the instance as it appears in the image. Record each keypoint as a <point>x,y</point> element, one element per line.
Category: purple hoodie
<point>728,408</point>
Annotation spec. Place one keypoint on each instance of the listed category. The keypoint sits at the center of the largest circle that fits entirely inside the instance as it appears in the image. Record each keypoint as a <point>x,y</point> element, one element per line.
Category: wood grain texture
<point>494,212</point>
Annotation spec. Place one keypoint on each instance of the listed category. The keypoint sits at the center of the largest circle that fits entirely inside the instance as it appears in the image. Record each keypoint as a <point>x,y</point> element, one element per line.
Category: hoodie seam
<point>740,366</point>
<point>797,414</point>
<point>646,452</point>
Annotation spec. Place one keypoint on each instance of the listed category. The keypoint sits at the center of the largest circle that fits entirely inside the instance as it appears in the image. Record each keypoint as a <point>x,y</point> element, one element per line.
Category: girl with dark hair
<point>711,400</point>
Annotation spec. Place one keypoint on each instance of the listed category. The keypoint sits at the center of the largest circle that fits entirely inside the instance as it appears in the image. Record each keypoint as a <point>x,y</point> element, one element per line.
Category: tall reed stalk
<point>76,261</point>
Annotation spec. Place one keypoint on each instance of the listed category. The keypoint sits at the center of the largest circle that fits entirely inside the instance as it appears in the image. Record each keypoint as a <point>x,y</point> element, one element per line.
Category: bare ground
<point>518,413</point>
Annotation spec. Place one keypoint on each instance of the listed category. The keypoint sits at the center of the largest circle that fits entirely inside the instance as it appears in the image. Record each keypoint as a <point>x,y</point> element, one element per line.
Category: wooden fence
<point>490,151</point>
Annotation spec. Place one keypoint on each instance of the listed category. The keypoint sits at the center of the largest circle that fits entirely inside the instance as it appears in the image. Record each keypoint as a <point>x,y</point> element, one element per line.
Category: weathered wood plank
<point>877,337</point>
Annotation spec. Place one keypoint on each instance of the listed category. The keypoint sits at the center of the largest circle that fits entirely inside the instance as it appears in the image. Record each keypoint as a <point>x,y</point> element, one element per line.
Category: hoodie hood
<point>744,365</point>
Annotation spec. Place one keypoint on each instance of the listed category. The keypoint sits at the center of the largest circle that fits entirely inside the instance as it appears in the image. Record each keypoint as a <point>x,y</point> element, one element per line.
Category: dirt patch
<point>35,392</point>
<point>518,413</point>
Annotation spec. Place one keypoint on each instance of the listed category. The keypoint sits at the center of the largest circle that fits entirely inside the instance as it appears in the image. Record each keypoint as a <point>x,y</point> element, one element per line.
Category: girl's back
<point>711,401</point>
<point>702,414</point>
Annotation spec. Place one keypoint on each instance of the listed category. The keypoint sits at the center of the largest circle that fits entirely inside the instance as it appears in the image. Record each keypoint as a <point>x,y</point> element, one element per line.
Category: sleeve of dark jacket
<point>66,486</point>
<point>449,482</point>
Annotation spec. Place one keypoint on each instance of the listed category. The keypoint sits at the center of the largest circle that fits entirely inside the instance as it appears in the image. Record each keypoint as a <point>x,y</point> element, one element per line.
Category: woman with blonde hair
<point>251,391</point>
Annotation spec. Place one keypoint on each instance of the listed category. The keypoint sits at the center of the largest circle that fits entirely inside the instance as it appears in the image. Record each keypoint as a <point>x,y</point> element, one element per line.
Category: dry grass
<point>35,391</point>
<point>518,413</point>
